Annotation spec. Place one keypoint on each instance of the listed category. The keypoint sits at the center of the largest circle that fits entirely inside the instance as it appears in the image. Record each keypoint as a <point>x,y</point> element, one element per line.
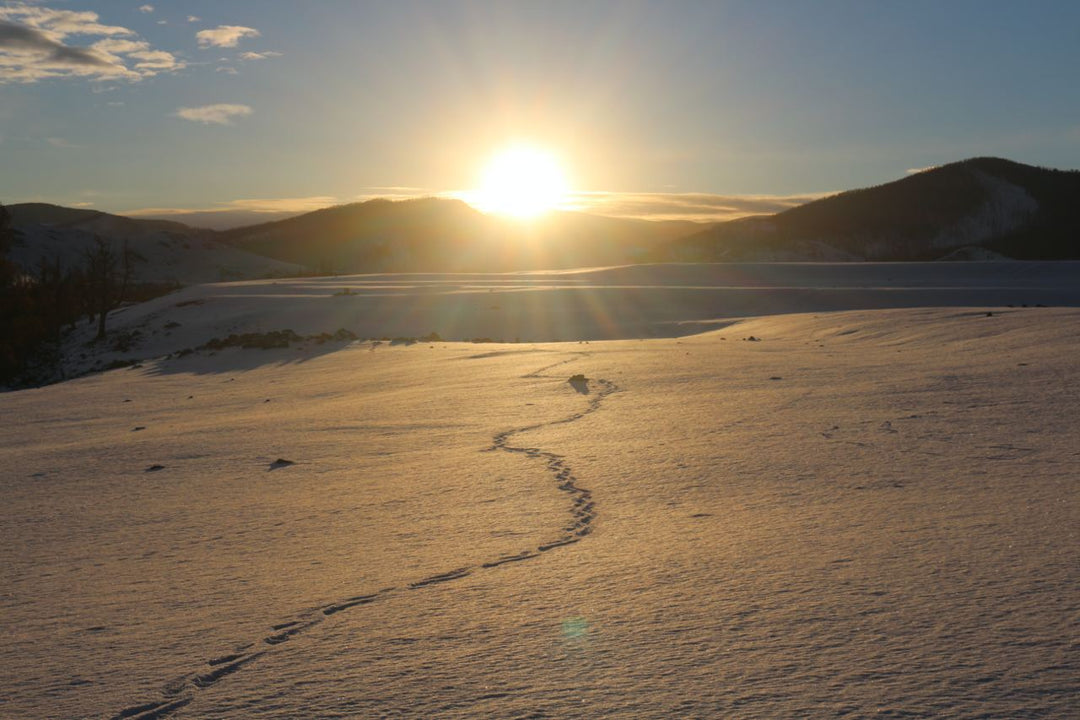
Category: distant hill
<point>165,252</point>
<point>116,226</point>
<point>996,205</point>
<point>442,235</point>
<point>978,209</point>
<point>215,219</point>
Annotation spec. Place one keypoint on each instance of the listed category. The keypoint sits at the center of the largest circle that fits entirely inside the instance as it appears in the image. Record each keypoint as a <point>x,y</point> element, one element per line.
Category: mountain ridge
<point>1019,211</point>
<point>980,208</point>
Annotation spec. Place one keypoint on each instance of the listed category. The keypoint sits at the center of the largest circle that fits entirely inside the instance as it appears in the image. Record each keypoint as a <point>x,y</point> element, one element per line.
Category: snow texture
<point>859,513</point>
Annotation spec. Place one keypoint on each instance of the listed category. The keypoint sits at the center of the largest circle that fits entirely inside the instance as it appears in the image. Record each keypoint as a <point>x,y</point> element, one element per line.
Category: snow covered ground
<point>865,513</point>
<point>626,302</point>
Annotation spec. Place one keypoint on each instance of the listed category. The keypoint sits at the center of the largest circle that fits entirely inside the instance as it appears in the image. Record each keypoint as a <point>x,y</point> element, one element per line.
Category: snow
<point>869,512</point>
<point>637,301</point>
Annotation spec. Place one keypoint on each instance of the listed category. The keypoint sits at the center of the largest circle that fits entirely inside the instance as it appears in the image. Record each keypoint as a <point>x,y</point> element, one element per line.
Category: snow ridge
<point>181,691</point>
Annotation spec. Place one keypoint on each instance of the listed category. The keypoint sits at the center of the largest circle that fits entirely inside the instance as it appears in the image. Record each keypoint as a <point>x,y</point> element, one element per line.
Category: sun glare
<point>522,182</point>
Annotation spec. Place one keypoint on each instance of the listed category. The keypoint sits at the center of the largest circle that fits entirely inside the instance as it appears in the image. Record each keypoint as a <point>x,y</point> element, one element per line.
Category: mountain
<point>165,252</point>
<point>999,206</point>
<point>982,208</point>
<point>442,235</point>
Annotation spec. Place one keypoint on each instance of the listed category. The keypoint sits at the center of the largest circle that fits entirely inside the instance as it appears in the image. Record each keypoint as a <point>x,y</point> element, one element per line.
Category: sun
<point>522,182</point>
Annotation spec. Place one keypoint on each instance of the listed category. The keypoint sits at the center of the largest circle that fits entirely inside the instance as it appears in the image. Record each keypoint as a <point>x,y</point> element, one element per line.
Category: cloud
<point>698,207</point>
<point>225,35</point>
<point>138,52</point>
<point>33,47</point>
<point>916,171</point>
<point>220,114</point>
<point>259,56</point>
<point>255,205</point>
<point>146,8</point>
<point>269,205</point>
<point>227,70</point>
<point>193,18</point>
<point>60,23</point>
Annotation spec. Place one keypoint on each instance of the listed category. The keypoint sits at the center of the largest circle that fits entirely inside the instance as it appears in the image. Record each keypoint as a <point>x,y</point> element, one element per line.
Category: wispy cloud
<point>227,70</point>
<point>146,8</point>
<point>220,114</point>
<point>698,207</point>
<point>193,18</point>
<point>258,56</point>
<point>33,47</point>
<point>254,205</point>
<point>225,35</point>
<point>59,142</point>
<point>269,205</point>
<point>916,171</point>
<point>139,53</point>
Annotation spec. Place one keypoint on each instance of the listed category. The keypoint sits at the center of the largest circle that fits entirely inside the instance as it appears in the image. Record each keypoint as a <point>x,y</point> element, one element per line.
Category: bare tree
<point>7,238</point>
<point>108,276</point>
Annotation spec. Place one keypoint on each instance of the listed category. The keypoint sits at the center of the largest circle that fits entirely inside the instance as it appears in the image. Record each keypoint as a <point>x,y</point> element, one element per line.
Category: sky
<point>700,110</point>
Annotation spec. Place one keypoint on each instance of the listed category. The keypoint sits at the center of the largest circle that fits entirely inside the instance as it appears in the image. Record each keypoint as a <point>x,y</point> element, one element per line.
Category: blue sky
<point>124,105</point>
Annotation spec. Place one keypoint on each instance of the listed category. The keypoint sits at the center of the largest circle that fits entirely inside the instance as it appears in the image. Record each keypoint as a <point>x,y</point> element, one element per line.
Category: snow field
<point>858,514</point>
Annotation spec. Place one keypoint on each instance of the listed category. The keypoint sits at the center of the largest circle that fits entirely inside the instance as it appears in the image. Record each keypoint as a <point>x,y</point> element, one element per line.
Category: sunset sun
<point>522,182</point>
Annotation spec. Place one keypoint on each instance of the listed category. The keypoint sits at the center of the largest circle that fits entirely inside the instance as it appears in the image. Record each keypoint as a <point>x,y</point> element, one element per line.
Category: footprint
<point>442,577</point>
<point>151,711</point>
<point>208,679</point>
<point>510,558</point>
<point>349,603</point>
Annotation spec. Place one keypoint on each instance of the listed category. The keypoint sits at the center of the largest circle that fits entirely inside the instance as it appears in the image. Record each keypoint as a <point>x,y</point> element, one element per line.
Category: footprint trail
<point>181,691</point>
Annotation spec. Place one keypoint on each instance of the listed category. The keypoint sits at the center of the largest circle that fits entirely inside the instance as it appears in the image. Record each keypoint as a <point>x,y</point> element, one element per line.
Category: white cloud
<point>33,47</point>
<point>227,70</point>
<point>145,60</point>
<point>259,56</point>
<point>146,8</point>
<point>193,18</point>
<point>60,23</point>
<point>225,35</point>
<point>916,171</point>
<point>220,114</point>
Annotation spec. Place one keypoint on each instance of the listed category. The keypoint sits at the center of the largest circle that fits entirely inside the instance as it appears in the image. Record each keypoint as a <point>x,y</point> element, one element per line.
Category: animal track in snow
<point>180,692</point>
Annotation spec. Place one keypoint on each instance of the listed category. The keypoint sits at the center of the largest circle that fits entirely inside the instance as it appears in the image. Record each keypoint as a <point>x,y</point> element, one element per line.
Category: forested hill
<point>443,235</point>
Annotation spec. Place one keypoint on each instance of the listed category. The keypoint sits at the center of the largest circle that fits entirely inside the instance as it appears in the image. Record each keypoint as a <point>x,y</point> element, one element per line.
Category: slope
<point>165,252</point>
<point>1014,209</point>
<point>864,514</point>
